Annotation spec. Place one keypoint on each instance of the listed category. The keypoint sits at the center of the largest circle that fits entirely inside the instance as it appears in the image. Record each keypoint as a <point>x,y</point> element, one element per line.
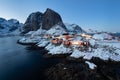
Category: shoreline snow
<point>101,45</point>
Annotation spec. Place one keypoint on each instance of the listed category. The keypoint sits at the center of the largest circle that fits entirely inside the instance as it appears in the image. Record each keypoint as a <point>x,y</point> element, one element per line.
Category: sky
<point>102,15</point>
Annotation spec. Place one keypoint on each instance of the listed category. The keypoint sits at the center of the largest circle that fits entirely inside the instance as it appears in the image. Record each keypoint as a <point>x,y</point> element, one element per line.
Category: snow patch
<point>43,43</point>
<point>59,50</point>
<point>76,54</point>
<point>56,30</point>
<point>30,40</point>
<point>91,65</point>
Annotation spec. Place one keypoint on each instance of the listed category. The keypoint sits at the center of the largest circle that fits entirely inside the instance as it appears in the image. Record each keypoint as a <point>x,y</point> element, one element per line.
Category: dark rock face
<point>74,28</point>
<point>71,71</point>
<point>79,70</point>
<point>77,29</point>
<point>48,19</point>
<point>33,22</point>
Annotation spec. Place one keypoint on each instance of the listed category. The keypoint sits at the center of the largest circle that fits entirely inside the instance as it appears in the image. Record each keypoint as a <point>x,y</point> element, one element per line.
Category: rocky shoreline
<point>77,69</point>
<point>30,43</point>
<point>81,71</point>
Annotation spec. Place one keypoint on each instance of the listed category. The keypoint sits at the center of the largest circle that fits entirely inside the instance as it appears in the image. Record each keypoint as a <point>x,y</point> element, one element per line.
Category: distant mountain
<point>74,28</point>
<point>47,20</point>
<point>91,31</point>
<point>8,26</point>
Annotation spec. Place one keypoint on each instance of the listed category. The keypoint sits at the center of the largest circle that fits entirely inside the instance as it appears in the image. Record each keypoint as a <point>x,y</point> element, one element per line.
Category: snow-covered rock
<point>77,54</point>
<point>49,46</point>
<point>29,33</point>
<point>34,37</point>
<point>56,30</point>
<point>43,43</point>
<point>59,50</point>
<point>27,40</point>
<point>92,42</point>
<point>91,65</point>
<point>38,32</point>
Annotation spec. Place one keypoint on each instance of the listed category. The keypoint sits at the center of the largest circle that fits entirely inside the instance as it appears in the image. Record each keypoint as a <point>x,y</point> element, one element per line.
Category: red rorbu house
<point>57,41</point>
<point>79,43</point>
<point>66,42</point>
<point>69,41</point>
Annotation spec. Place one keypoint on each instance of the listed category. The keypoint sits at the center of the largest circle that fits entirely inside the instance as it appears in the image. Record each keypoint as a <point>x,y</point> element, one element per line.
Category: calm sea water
<point>18,63</point>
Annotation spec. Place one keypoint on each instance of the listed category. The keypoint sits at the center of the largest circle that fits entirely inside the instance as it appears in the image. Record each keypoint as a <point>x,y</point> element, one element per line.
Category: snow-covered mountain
<point>47,19</point>
<point>9,26</point>
<point>74,28</point>
<point>91,31</point>
<point>59,30</point>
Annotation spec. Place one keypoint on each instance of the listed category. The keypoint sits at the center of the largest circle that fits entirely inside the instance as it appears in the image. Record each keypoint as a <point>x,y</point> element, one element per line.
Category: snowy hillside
<point>56,30</point>
<point>102,36</point>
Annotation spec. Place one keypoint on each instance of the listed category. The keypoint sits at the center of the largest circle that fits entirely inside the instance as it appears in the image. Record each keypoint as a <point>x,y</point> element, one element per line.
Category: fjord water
<point>18,63</point>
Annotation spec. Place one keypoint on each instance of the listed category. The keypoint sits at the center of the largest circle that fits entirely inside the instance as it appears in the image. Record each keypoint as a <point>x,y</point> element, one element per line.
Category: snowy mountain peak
<point>48,19</point>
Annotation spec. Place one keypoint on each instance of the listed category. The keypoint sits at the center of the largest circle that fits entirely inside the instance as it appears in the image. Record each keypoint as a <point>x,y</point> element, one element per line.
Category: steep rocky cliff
<point>47,19</point>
